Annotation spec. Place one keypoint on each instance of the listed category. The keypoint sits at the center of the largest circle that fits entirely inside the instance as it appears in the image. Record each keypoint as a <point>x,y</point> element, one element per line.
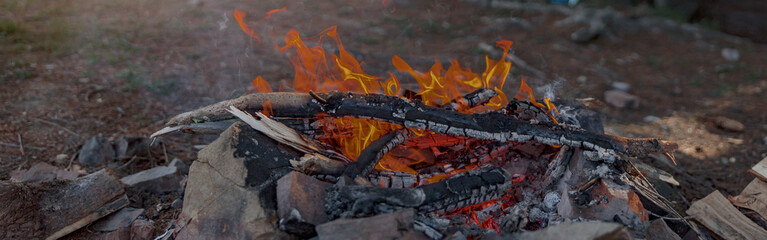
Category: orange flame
<point>259,85</point>
<point>268,108</point>
<point>320,71</point>
<point>240,15</point>
<point>526,94</point>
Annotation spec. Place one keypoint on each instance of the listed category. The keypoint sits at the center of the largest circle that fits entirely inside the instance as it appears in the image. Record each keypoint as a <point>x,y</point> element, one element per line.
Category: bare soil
<point>77,69</point>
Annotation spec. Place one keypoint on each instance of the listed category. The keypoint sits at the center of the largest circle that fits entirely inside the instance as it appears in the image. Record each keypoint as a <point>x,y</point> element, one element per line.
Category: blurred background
<point>690,70</point>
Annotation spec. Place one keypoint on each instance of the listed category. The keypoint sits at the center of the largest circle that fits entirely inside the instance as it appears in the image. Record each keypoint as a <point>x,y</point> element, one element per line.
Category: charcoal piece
<point>359,201</point>
<point>373,153</point>
<point>472,187</point>
<point>296,225</point>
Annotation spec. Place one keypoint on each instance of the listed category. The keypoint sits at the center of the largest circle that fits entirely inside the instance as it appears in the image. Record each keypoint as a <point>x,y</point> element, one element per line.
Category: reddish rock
<point>142,230</point>
<point>621,99</point>
<point>303,193</point>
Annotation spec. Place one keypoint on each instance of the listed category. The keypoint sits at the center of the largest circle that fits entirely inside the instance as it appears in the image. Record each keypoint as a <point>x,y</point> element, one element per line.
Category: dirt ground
<point>74,69</point>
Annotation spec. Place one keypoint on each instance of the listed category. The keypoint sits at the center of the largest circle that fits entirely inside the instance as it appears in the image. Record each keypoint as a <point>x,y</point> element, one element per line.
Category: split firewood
<point>414,114</point>
<point>53,210</point>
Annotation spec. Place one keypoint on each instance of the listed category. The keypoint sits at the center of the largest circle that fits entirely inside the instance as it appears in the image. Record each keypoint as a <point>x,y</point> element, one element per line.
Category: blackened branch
<point>414,114</point>
<point>373,153</point>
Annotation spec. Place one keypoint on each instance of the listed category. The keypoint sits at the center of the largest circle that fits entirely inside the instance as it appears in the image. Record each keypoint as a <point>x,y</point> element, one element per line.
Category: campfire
<point>439,153</point>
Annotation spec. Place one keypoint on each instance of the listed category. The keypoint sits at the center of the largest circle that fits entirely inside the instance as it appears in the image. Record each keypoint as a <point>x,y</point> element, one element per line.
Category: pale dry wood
<point>760,170</point>
<point>719,216</point>
<point>286,135</point>
<point>753,197</point>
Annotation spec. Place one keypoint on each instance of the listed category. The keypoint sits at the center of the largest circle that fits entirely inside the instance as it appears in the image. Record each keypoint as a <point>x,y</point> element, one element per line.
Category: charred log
<point>472,99</point>
<point>472,187</point>
<point>373,153</point>
<point>414,114</point>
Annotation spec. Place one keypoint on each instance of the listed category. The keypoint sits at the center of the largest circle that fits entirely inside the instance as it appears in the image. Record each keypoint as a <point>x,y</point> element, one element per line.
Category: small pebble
<point>730,54</point>
<point>621,86</point>
<point>650,118</point>
<point>764,140</point>
<point>729,124</point>
<point>62,158</point>
<point>582,79</point>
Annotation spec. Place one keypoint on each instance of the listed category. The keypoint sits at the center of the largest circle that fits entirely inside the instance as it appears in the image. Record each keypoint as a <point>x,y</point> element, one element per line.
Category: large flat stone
<point>231,188</point>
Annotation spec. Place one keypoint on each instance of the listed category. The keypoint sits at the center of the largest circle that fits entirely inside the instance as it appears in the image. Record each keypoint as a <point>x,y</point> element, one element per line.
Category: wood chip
<point>719,216</point>
<point>753,197</point>
<point>760,170</point>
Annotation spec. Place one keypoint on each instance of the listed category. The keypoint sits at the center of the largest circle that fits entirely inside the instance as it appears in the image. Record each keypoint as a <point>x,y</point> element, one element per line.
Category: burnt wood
<point>464,189</point>
<point>476,98</point>
<point>414,114</point>
<point>373,153</point>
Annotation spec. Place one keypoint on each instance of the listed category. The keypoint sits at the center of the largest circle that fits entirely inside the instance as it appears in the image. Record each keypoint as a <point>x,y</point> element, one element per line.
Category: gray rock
<point>117,220</point>
<point>730,54</point>
<point>621,99</point>
<point>650,118</point>
<point>578,230</point>
<point>384,226</point>
<point>230,189</point>
<point>177,204</point>
<point>40,172</point>
<point>623,86</point>
<point>157,180</point>
<point>61,158</point>
<point>96,151</point>
<point>183,169</point>
<point>551,200</point>
<point>764,140</point>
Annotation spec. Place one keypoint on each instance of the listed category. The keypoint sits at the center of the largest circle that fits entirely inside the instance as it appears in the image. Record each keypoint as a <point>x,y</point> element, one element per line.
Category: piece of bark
<point>373,153</point>
<point>416,115</point>
<point>719,216</point>
<point>760,170</point>
<point>753,197</point>
<point>53,210</point>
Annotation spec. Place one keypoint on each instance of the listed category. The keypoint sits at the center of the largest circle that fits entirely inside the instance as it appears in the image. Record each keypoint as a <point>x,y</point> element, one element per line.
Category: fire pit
<point>349,155</point>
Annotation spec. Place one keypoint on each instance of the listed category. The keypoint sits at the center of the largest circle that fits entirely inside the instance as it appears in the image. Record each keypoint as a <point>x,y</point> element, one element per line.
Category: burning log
<point>413,114</point>
<point>472,187</point>
<point>473,99</point>
<point>370,156</point>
